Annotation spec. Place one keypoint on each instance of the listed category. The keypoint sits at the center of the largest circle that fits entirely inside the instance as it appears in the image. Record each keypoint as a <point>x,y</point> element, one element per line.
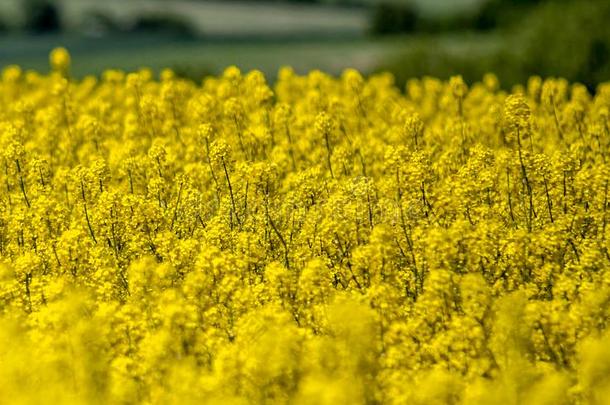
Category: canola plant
<point>322,241</point>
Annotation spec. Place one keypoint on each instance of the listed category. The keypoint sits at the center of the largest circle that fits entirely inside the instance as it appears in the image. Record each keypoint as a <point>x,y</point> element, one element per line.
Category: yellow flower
<point>60,60</point>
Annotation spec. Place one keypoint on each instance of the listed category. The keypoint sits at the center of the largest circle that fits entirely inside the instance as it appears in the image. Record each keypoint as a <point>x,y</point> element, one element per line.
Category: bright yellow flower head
<point>60,60</point>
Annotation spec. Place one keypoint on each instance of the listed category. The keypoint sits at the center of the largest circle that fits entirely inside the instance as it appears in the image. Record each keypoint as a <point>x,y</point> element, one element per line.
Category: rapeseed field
<point>325,240</point>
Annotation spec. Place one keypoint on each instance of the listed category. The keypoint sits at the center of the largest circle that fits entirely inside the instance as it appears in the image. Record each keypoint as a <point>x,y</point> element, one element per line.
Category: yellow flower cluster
<point>322,241</point>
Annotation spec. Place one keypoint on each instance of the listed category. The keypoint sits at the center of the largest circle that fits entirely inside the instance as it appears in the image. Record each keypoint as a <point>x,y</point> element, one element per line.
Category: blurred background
<point>410,38</point>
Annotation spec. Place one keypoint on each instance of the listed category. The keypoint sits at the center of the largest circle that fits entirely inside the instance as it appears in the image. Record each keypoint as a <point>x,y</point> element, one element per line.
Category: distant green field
<point>247,34</point>
<point>91,55</point>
